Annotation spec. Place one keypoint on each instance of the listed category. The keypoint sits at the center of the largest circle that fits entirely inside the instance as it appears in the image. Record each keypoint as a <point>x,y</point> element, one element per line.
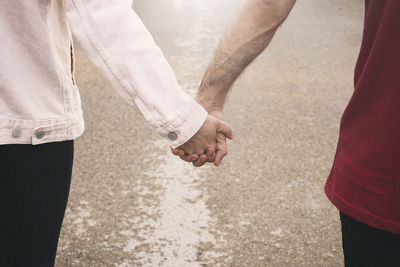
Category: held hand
<point>221,149</point>
<point>203,145</point>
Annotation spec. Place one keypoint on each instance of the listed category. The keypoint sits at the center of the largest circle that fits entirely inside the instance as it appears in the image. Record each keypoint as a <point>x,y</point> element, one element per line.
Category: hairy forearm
<point>249,33</point>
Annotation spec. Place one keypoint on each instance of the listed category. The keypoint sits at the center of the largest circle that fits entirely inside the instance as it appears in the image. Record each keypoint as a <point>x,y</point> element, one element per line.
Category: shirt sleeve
<point>119,44</point>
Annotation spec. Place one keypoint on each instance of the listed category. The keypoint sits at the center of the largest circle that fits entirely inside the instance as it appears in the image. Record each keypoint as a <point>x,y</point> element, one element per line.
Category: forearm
<point>249,33</point>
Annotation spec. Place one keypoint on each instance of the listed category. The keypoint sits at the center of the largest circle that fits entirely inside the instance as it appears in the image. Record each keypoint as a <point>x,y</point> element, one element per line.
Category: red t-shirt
<point>365,179</point>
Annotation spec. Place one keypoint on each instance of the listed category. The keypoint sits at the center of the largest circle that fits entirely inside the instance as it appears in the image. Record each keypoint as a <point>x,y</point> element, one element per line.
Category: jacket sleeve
<point>119,44</point>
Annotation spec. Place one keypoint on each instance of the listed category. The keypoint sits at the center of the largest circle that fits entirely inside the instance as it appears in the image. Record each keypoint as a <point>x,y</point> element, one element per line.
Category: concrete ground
<point>134,204</point>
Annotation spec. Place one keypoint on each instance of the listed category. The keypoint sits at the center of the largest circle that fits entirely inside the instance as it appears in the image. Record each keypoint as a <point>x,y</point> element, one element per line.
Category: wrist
<point>210,103</point>
<point>215,111</point>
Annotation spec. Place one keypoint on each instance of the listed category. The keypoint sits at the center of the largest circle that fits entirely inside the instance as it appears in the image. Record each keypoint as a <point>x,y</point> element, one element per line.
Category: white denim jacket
<point>39,101</point>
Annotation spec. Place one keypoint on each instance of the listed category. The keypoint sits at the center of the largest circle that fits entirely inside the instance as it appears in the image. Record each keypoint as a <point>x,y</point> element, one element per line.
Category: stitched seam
<point>76,115</point>
<point>101,51</point>
<point>60,71</point>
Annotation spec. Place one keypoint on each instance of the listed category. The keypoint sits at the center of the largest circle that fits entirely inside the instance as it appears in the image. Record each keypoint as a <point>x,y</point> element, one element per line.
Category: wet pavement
<point>134,204</point>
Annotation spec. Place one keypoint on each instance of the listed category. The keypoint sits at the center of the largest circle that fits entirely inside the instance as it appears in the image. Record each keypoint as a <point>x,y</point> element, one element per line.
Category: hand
<point>203,145</point>
<point>211,155</point>
<point>221,149</point>
<point>216,111</point>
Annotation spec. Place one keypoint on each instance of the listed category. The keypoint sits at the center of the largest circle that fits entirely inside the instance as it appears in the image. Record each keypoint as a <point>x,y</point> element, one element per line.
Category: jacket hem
<point>39,132</point>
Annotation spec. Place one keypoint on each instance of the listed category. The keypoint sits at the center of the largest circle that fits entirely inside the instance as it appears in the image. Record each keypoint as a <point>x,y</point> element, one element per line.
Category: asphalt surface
<point>134,204</point>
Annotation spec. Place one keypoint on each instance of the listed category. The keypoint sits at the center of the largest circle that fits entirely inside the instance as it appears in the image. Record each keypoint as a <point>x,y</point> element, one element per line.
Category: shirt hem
<point>360,214</point>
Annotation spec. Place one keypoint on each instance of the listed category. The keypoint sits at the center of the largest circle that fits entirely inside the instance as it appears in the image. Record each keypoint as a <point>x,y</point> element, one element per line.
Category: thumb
<point>225,129</point>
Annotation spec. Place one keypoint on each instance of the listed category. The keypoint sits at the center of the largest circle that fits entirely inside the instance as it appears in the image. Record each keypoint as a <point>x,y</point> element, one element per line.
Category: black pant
<point>34,188</point>
<point>365,246</point>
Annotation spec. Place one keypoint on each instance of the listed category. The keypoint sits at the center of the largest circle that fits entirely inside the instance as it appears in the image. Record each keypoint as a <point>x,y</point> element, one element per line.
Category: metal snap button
<point>39,134</point>
<point>16,132</point>
<point>172,136</point>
